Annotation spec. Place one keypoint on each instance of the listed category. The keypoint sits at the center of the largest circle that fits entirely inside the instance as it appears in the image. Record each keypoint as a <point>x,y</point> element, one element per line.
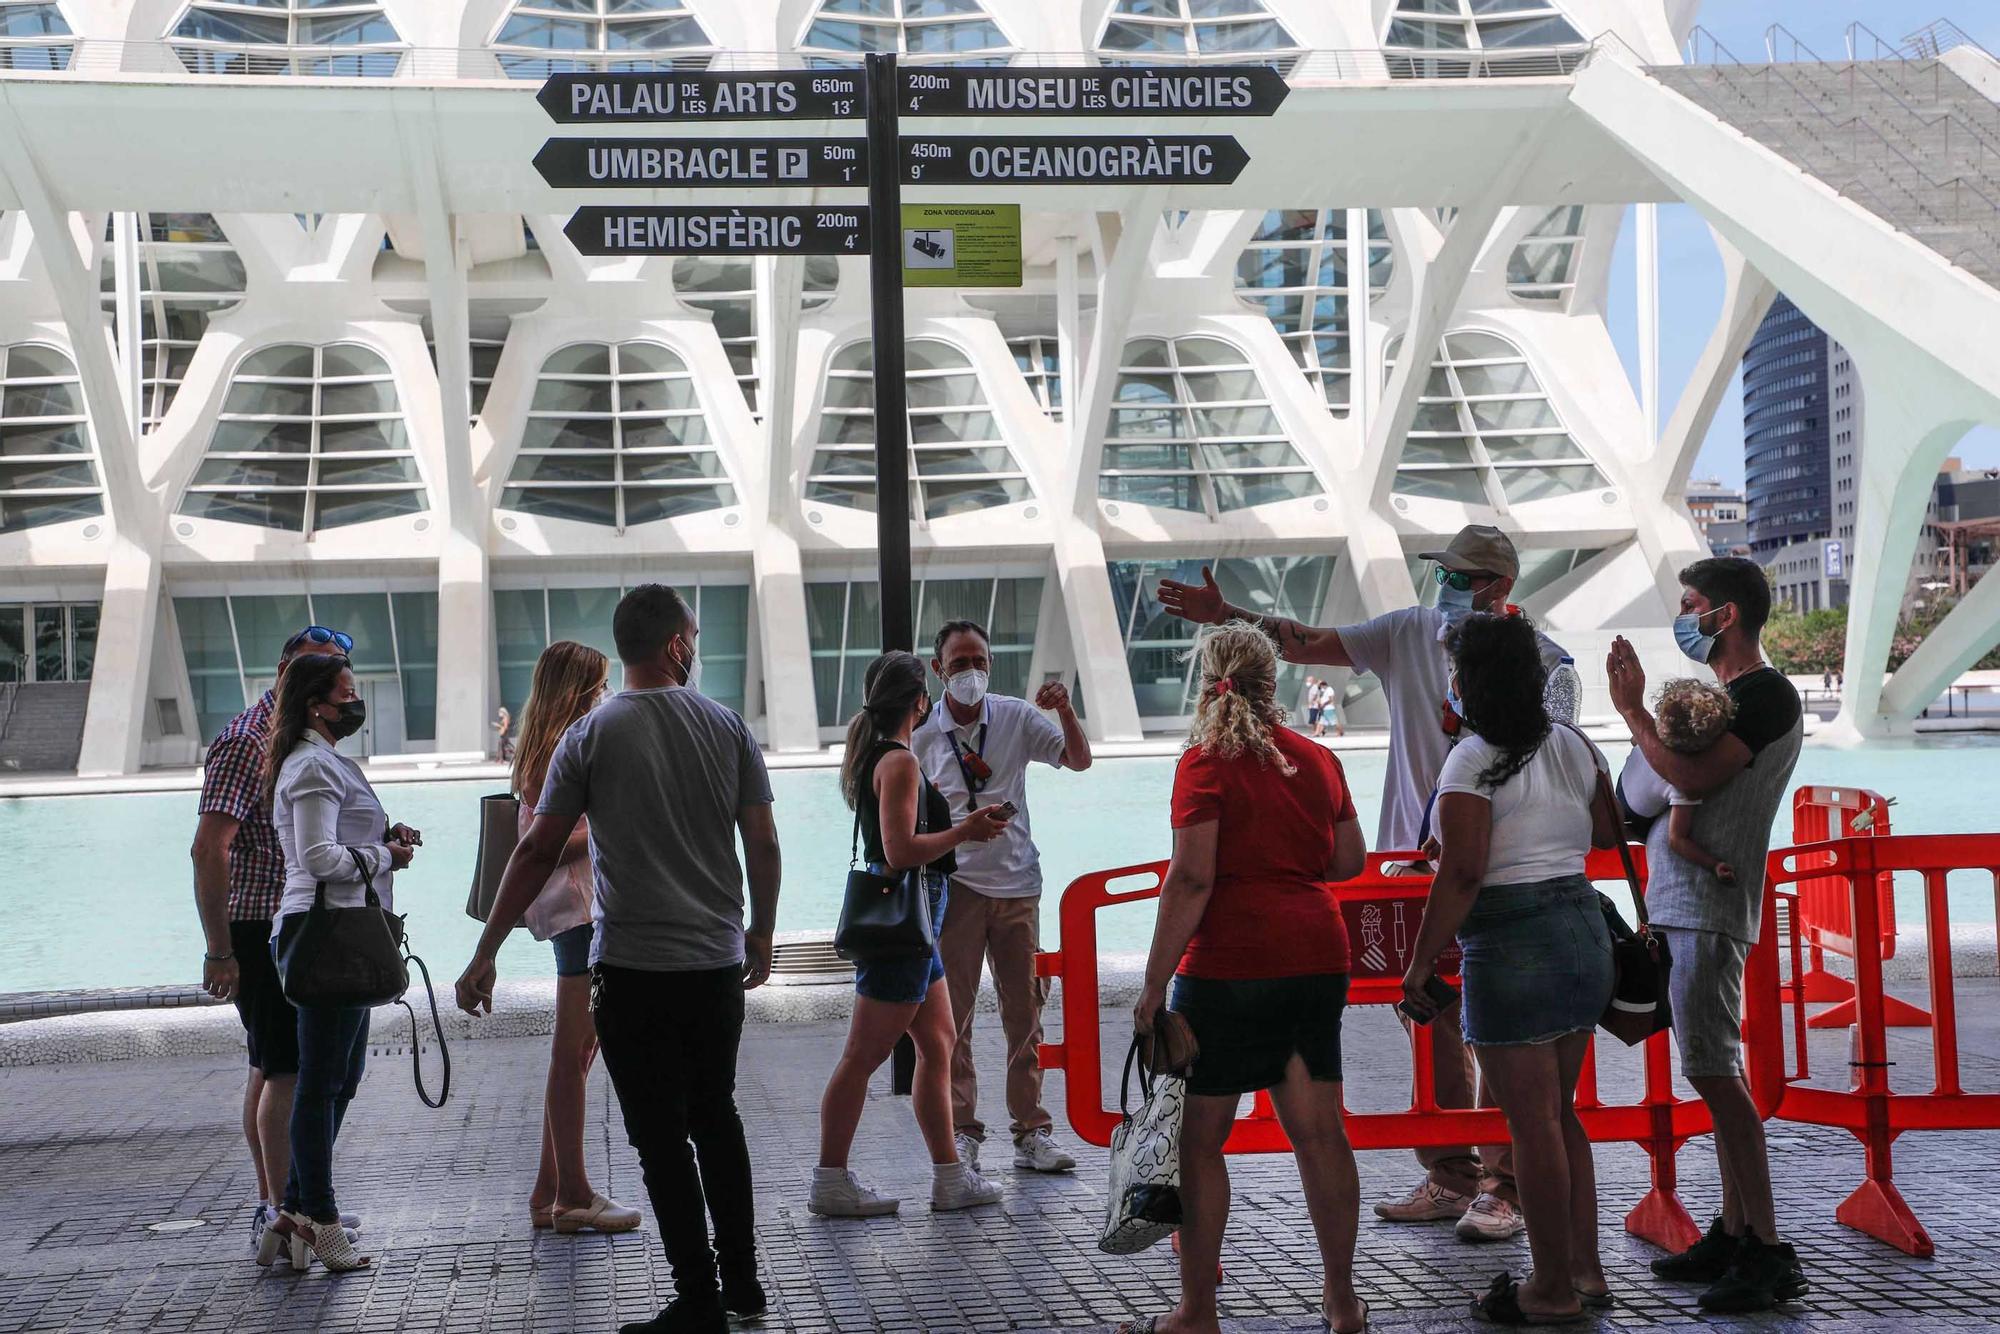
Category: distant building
<point>1719,512</point>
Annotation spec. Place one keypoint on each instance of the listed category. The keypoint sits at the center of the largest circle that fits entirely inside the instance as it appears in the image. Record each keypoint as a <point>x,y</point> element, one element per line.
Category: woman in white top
<point>332,832</point>
<point>570,679</point>
<point>1519,809</point>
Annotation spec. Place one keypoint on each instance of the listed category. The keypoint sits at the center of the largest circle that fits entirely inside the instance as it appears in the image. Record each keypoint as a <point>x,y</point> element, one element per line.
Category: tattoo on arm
<point>1290,635</point>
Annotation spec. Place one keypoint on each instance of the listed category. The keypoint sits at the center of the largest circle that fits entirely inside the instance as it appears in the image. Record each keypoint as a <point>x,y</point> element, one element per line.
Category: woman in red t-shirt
<point>1249,923</point>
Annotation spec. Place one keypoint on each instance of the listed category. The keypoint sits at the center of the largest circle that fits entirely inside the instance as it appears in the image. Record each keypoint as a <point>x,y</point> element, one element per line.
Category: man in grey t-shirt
<point>668,779</point>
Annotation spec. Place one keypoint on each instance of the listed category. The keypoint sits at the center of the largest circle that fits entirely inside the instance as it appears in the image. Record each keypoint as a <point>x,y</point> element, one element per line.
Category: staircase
<point>43,730</point>
<point>1905,138</point>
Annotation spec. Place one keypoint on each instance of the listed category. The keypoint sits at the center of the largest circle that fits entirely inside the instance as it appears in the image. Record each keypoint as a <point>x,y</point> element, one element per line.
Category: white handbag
<point>1145,1196</point>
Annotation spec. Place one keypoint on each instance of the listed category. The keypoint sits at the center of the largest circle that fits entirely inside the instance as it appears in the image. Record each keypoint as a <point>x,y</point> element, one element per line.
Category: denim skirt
<point>1537,962</point>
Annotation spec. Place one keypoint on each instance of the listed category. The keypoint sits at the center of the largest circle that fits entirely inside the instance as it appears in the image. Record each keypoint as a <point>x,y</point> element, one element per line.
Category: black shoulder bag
<point>1640,961</point>
<point>885,916</point>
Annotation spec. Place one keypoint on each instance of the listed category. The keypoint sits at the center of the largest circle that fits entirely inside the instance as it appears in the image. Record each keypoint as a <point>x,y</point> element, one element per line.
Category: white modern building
<point>289,332</point>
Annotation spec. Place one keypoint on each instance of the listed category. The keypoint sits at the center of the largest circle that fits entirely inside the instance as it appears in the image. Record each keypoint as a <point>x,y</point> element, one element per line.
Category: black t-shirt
<point>1767,708</point>
<point>937,812</point>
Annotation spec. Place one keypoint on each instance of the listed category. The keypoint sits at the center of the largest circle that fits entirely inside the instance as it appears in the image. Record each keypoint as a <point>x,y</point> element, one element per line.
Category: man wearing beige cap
<point>1405,650</point>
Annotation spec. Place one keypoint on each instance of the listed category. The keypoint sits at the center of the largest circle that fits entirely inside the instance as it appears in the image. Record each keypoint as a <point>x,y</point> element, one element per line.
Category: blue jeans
<point>333,1044</point>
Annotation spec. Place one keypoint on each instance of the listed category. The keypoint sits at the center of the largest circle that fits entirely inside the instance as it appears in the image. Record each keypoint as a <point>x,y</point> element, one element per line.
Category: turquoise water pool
<point>99,889</point>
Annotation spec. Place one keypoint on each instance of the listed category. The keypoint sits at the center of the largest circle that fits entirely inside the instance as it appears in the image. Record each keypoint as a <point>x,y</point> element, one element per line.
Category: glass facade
<point>327,38</point>
<point>308,438</point>
<point>188,273</point>
<point>1040,364</point>
<point>1294,269</point>
<point>616,436</point>
<point>528,620</point>
<point>1543,267</point>
<point>1138,31</point>
<point>1787,429</point>
<point>47,641</point>
<point>957,28</point>
<point>1485,433</point>
<point>538,38</point>
<point>958,461</point>
<point>231,644</point>
<point>1192,429</point>
<point>726,287</point>
<point>1157,643</point>
<point>48,469</point>
<point>33,35</point>
<point>1430,39</point>
<point>844,624</point>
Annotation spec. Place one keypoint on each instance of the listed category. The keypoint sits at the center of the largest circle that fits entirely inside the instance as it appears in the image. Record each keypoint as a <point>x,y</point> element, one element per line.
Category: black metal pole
<point>892,420</point>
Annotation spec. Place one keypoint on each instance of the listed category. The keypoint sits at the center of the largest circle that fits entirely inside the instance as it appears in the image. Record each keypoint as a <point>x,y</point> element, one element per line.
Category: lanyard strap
<point>959,750</point>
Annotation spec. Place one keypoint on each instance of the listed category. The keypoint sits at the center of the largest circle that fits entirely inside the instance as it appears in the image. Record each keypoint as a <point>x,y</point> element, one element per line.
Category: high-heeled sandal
<point>330,1242</point>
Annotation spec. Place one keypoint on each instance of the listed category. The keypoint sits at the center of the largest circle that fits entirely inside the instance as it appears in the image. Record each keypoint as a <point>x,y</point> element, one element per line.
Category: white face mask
<point>967,687</point>
<point>693,681</point>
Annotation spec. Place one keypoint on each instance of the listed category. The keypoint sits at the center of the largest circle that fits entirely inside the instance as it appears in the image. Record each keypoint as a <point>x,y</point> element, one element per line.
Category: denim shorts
<point>573,950</point>
<point>1249,1028</point>
<point>906,980</point>
<point>1537,962</point>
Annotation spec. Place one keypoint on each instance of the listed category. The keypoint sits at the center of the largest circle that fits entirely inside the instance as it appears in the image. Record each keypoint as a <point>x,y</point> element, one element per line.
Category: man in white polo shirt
<point>976,751</point>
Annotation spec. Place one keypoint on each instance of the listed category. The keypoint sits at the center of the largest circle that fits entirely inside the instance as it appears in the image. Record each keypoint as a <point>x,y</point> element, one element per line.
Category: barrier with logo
<point>1382,913</point>
<point>1823,916</point>
<point>1870,1107</point>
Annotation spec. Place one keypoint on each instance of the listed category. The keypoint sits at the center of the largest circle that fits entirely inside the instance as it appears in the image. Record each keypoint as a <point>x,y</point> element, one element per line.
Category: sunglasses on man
<point>319,634</point>
<point>1459,580</point>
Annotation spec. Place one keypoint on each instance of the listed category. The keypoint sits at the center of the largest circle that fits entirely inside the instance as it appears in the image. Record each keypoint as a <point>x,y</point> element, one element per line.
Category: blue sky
<point>1690,270</point>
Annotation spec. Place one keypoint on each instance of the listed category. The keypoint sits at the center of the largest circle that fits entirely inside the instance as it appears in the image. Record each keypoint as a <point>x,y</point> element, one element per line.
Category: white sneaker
<point>836,1193</point>
<point>1036,1151</point>
<point>968,1149</point>
<point>959,1186</point>
<point>1428,1203</point>
<point>1490,1219</point>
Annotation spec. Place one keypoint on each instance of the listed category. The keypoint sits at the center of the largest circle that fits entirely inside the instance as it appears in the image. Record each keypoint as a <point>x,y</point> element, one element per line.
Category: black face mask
<point>353,714</point>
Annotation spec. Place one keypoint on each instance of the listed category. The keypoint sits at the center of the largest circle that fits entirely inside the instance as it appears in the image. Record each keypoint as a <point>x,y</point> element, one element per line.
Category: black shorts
<point>269,1021</point>
<point>1248,1029</point>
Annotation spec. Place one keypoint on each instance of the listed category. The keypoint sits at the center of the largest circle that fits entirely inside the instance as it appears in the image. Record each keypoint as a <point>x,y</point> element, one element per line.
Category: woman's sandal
<point>1146,1326</point>
<point>543,1219</point>
<point>1596,1301</point>
<point>1362,1328</point>
<point>1502,1306</point>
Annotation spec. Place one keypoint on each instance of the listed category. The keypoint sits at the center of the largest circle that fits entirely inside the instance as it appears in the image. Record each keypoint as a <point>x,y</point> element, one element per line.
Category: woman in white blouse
<point>333,832</point>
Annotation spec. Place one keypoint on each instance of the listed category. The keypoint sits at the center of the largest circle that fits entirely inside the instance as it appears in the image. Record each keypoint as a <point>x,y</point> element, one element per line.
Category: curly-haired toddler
<point>1692,716</point>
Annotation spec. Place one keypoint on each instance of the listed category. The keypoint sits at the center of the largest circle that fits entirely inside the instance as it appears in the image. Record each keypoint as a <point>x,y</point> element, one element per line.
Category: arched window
<point>726,287</point>
<point>616,436</point>
<point>1543,266</point>
<point>48,468</point>
<point>1443,39</point>
<point>330,38</point>
<point>33,35</point>
<point>308,438</point>
<point>958,460</point>
<point>958,28</point>
<point>538,38</point>
<point>1294,269</point>
<point>1192,429</point>
<point>1485,433</point>
<point>188,273</point>
<point>1151,30</point>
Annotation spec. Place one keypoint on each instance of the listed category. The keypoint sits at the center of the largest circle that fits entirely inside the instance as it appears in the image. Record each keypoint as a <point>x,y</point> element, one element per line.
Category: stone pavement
<point>96,1157</point>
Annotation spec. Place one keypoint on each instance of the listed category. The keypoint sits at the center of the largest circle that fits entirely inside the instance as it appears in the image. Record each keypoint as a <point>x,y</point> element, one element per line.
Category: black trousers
<point>669,1042</point>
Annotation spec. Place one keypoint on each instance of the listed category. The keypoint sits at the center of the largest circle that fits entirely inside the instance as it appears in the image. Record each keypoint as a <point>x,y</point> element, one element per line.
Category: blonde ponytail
<point>1236,710</point>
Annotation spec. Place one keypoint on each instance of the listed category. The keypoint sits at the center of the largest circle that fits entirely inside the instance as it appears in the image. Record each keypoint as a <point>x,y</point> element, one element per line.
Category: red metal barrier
<point>1374,904</point>
<point>1870,1108</point>
<point>1823,915</point>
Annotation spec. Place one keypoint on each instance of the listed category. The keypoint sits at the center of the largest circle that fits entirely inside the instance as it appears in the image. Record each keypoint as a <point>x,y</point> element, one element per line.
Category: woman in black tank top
<point>905,823</point>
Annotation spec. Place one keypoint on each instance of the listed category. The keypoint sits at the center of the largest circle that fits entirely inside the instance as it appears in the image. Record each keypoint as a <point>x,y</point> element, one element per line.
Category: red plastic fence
<point>1823,915</point>
<point>1871,1108</point>
<point>1382,912</point>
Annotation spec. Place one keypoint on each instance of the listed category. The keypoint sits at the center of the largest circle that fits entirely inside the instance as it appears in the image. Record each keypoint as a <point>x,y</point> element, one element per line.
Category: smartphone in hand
<point>1440,993</point>
<point>1008,810</point>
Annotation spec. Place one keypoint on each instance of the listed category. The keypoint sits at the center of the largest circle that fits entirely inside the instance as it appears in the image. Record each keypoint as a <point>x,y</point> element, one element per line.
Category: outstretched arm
<point>1296,641</point>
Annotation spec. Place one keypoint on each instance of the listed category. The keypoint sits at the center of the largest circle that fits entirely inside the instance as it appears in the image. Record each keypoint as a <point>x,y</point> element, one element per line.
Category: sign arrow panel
<point>696,230</point>
<point>594,164</point>
<point>1177,90</point>
<point>634,98</point>
<point>1214,159</point>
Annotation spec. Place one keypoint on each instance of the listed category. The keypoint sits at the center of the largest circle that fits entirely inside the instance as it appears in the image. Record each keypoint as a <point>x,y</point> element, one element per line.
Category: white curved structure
<point>358,375</point>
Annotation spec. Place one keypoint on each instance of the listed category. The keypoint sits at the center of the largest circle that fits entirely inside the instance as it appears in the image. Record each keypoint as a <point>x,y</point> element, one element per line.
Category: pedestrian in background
<point>335,839</point>
<point>239,878</point>
<point>570,680</point>
<point>1313,706</point>
<point>975,751</point>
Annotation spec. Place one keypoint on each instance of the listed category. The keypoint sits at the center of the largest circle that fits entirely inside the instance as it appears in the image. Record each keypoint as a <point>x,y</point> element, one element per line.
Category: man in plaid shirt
<point>239,876</point>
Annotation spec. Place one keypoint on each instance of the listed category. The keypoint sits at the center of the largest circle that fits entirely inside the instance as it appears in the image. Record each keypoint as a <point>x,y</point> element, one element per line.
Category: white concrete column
<point>1096,634</point>
<point>1361,384</point>
<point>466,650</point>
<point>126,285</point>
<point>114,726</point>
<point>1647,238</point>
<point>791,707</point>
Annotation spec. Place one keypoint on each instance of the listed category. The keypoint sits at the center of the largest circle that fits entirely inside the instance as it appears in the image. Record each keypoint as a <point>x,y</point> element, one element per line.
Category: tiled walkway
<point>91,1155</point>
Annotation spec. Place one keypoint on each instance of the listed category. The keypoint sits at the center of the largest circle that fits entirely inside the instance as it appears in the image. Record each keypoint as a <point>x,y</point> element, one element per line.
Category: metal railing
<point>1937,37</point>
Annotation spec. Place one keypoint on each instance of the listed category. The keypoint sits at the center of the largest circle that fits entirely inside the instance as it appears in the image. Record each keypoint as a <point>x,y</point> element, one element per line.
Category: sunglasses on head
<point>1458,579</point>
<point>319,634</point>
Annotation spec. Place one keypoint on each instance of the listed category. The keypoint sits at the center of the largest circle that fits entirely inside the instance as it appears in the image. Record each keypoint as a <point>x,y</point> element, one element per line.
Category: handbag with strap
<point>885,916</point>
<point>499,831</point>
<point>1640,960</point>
<point>1144,1200</point>
<point>343,956</point>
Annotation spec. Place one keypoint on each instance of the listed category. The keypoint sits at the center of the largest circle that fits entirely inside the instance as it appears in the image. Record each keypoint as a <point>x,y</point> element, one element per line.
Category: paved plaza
<point>96,1156</point>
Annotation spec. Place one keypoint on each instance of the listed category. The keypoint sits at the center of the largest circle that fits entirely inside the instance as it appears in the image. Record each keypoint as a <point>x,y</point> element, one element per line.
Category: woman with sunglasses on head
<point>333,834</point>
<point>570,680</point>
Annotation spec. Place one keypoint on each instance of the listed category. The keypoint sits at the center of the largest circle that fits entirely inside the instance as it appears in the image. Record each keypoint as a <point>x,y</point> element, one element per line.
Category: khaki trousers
<point>1458,1167</point>
<point>1002,934</point>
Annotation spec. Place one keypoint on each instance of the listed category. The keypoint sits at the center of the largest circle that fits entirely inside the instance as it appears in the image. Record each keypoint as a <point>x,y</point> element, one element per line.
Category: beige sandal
<point>543,1218</point>
<point>600,1215</point>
